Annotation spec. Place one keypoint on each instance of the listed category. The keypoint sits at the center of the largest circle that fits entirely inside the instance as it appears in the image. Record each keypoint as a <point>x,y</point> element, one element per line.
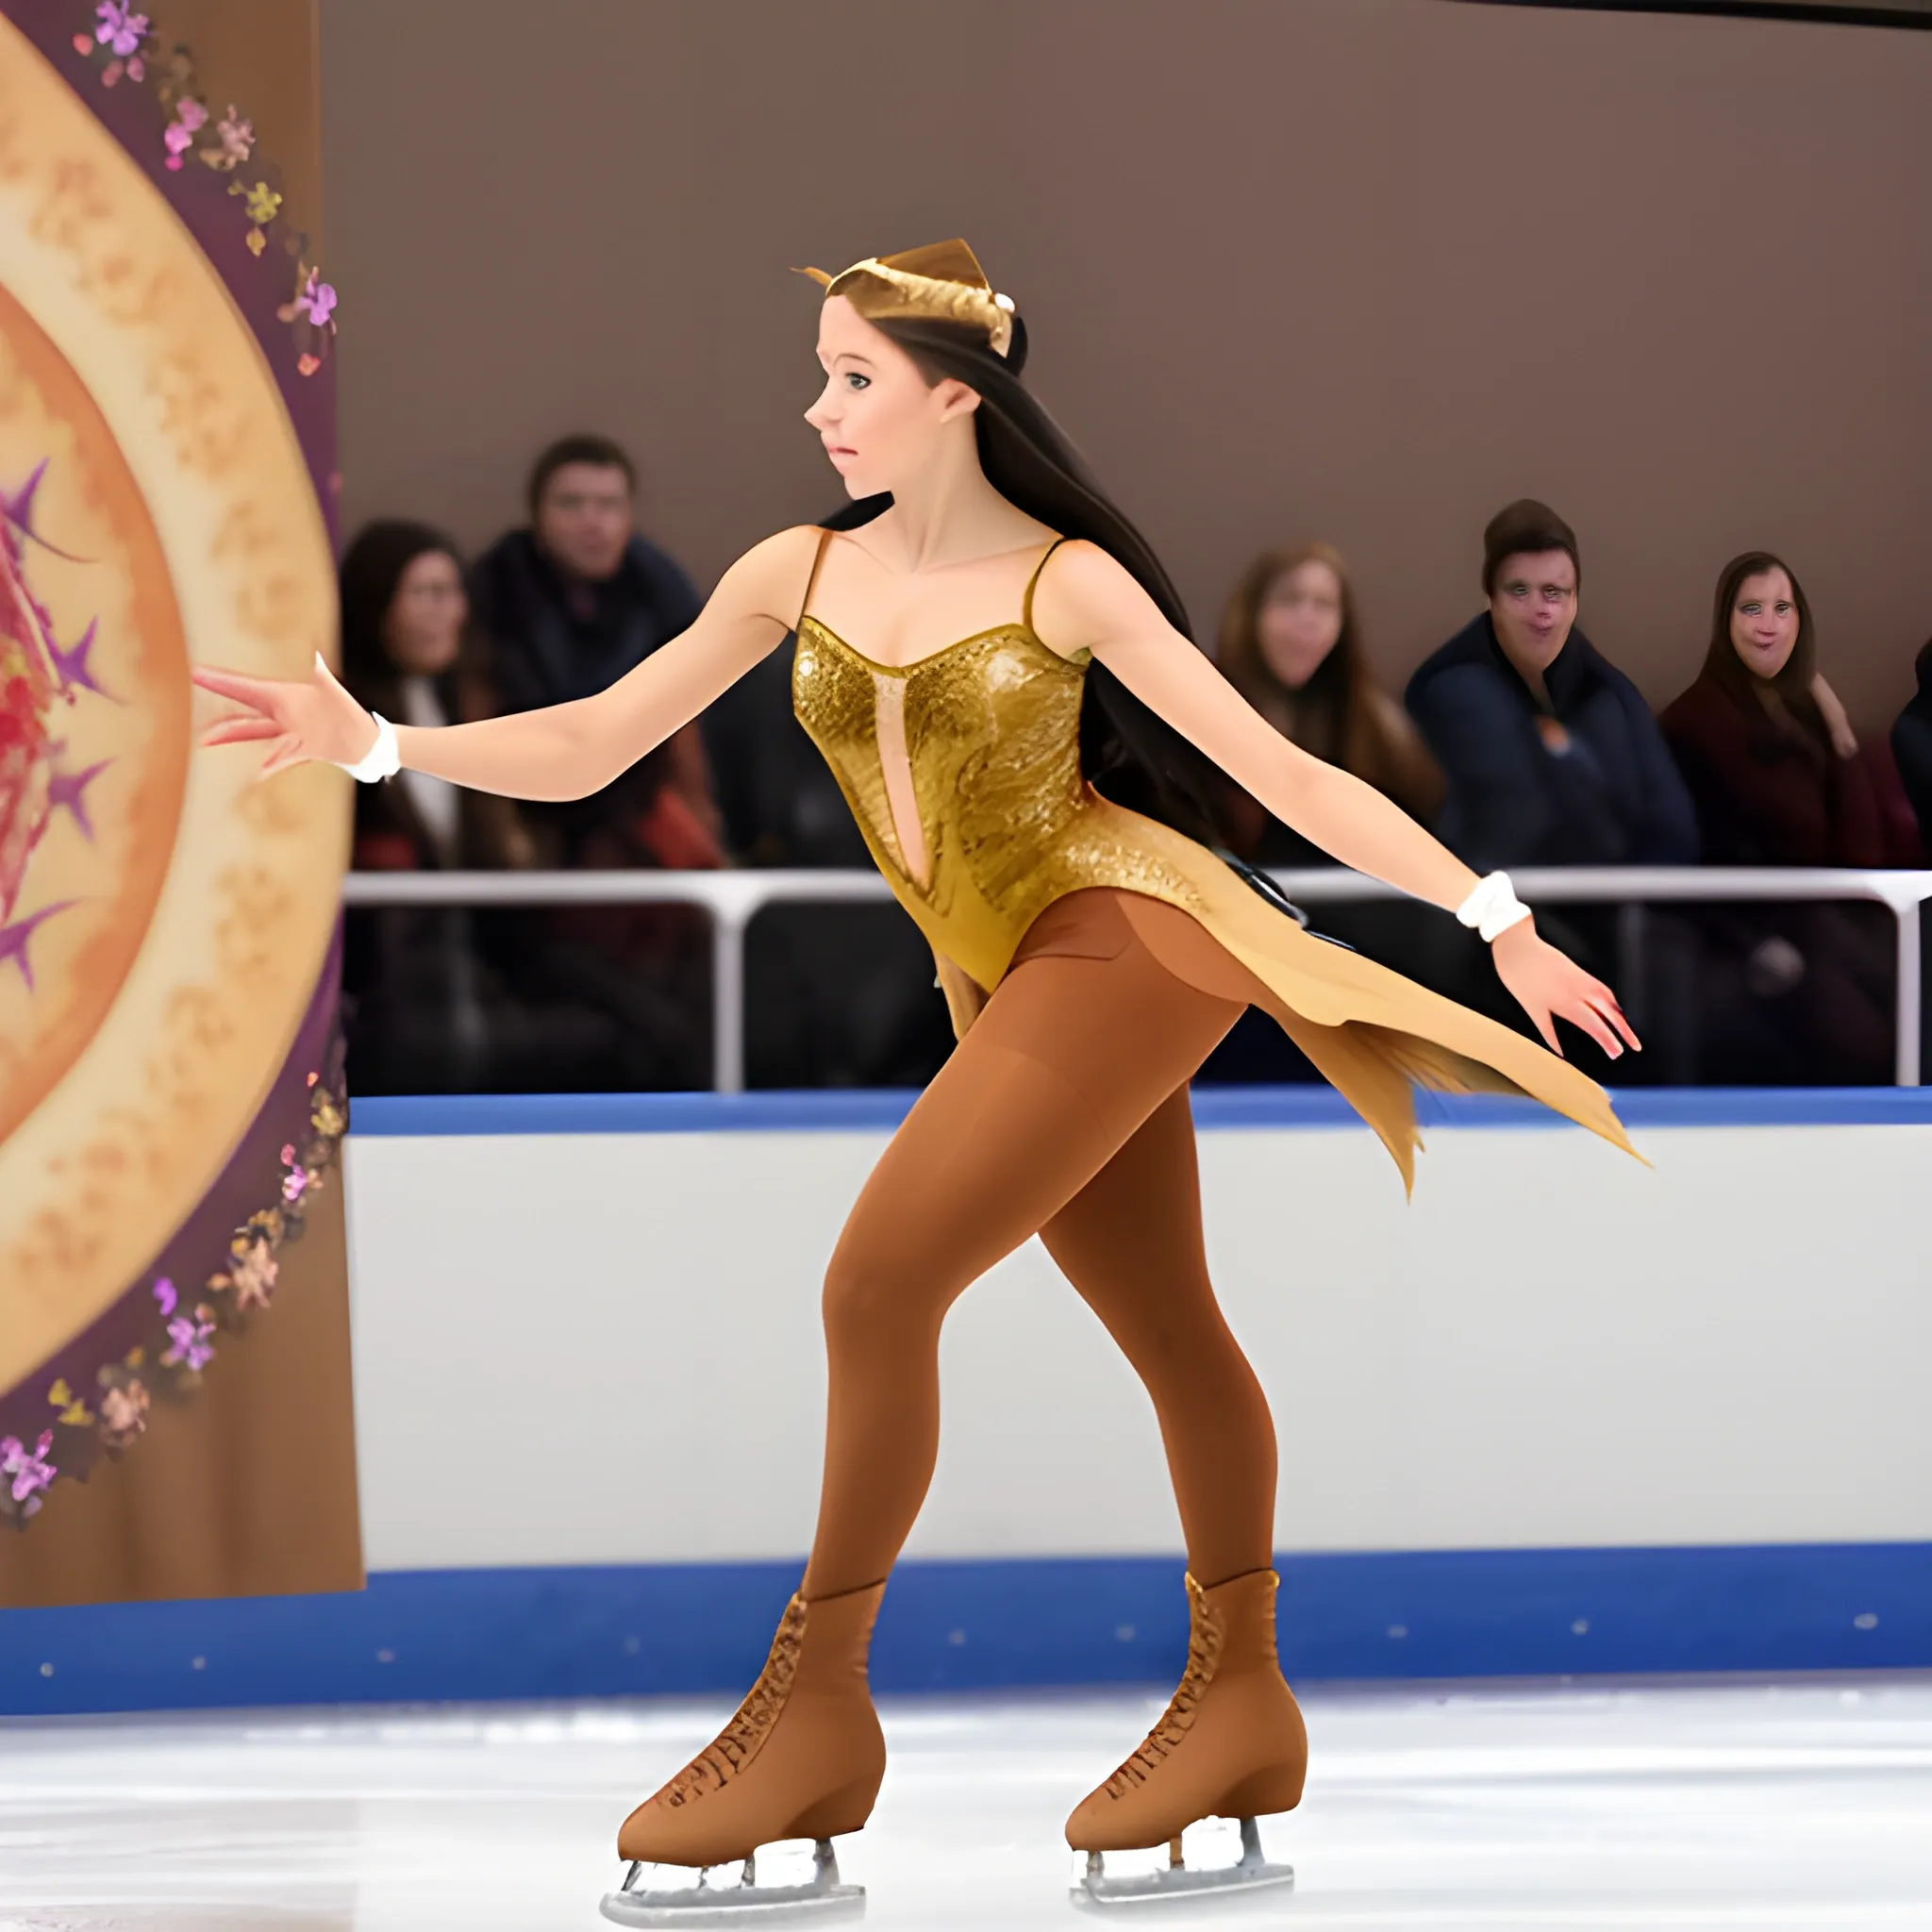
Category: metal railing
<point>733,898</point>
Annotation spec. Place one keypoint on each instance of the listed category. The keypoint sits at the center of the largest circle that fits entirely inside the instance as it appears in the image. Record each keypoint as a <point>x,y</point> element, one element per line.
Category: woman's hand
<point>1838,727</point>
<point>311,718</point>
<point>1549,987</point>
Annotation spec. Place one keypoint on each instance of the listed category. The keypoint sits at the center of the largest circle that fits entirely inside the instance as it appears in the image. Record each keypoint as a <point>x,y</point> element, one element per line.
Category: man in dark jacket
<point>570,604</point>
<point>1551,754</point>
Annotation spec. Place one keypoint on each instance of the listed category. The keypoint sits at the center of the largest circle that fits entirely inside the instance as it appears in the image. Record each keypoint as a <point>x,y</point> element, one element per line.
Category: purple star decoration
<point>71,666</point>
<point>14,938</point>
<point>18,509</point>
<point>66,790</point>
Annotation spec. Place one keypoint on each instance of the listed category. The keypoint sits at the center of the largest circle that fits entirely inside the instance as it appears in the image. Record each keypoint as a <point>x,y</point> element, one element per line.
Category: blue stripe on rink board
<point>977,1626</point>
<point>863,1110</point>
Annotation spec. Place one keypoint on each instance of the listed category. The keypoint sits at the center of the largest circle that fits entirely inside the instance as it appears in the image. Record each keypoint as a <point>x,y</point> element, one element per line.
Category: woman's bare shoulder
<point>770,579</point>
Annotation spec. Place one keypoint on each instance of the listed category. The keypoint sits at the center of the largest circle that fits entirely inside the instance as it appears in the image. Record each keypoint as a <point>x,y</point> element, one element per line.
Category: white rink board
<point>604,1348</point>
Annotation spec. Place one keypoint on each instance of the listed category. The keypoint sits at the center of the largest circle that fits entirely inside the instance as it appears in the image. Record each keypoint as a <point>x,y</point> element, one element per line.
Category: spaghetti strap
<point>1032,582</point>
<point>818,558</point>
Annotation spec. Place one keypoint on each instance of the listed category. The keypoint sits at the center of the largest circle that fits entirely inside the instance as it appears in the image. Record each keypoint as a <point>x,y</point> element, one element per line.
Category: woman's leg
<point>1130,1243</point>
<point>1232,1739</point>
<point>1061,1069</point>
<point>1059,1072</point>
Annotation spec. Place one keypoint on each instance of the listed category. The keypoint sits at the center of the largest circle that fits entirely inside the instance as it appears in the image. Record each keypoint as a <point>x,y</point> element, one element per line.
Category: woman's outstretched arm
<point>562,750</point>
<point>1087,600</point>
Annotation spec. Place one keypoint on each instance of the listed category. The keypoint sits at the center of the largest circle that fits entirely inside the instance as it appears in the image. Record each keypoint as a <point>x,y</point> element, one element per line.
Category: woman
<point>1778,778</point>
<point>984,646</point>
<point>419,1002</point>
<point>407,653</point>
<point>1291,644</point>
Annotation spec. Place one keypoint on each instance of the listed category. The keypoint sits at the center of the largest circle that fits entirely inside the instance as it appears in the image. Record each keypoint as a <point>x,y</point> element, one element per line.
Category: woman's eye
<point>855,381</point>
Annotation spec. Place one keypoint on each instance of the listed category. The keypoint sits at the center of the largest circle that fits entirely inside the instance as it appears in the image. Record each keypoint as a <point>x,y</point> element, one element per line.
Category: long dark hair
<point>1339,714</point>
<point>1796,710</point>
<point>1130,753</point>
<point>370,575</point>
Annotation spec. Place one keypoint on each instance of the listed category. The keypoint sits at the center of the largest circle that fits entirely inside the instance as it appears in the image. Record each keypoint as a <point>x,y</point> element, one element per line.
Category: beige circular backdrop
<point>187,909</point>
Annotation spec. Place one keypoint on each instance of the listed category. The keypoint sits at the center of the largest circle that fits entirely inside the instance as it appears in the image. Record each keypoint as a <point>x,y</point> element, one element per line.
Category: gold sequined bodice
<point>982,742</point>
<point>963,771</point>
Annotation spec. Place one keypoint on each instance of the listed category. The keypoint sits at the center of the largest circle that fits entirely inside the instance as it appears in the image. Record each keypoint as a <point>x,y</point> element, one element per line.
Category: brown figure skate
<point>1230,1744</point>
<point>802,1758</point>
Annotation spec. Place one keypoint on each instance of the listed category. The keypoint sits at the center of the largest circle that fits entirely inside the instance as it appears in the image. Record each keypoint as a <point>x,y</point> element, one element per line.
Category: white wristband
<point>1493,906</point>
<point>382,760</point>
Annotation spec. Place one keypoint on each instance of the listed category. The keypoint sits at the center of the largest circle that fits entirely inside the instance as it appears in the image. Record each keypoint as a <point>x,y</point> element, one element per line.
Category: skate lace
<point>1177,1719</point>
<point>737,1743</point>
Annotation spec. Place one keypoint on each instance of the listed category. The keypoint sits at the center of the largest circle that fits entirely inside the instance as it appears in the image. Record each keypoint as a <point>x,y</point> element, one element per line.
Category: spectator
<point>1551,754</point>
<point>1911,747</point>
<point>573,602</point>
<point>1777,776</point>
<point>1291,644</point>
<point>1779,779</point>
<point>1553,758</point>
<point>416,995</point>
<point>570,604</point>
<point>408,652</point>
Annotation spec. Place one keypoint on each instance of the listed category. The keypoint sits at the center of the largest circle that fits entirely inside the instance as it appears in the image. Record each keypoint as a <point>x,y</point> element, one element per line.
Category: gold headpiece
<point>941,283</point>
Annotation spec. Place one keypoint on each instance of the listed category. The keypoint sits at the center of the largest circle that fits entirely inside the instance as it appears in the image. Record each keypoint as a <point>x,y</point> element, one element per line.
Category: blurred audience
<point>1551,754</point>
<point>1291,643</point>
<point>422,1009</point>
<point>1777,773</point>
<point>1912,749</point>
<point>408,652</point>
<point>570,604</point>
<point>1553,757</point>
<point>1779,778</point>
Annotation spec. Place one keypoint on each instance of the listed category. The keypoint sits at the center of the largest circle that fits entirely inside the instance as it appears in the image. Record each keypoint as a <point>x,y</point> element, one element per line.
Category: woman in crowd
<point>414,990</point>
<point>1291,643</point>
<point>407,651</point>
<point>1778,778</point>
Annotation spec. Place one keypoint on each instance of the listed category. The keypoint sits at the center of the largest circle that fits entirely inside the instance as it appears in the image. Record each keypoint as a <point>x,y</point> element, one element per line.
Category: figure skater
<point>1000,675</point>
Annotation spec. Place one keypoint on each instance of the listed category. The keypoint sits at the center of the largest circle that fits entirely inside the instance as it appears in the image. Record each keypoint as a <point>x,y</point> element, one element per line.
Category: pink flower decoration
<point>295,1184</point>
<point>190,1334</point>
<point>191,117</point>
<point>122,30</point>
<point>317,299</point>
<point>29,1469</point>
<point>164,1294</point>
<point>237,136</point>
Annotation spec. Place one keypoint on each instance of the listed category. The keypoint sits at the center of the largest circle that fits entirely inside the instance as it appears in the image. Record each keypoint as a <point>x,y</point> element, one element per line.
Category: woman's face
<point>879,420</point>
<point>1299,621</point>
<point>1764,623</point>
<point>424,625</point>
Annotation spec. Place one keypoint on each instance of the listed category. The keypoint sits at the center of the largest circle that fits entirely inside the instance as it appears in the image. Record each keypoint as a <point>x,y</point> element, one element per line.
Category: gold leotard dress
<point>990,731</point>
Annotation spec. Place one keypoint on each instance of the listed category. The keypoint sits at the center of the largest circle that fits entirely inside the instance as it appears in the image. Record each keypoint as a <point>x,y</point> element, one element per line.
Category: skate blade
<point>1250,1874</point>
<point>1229,1882</point>
<point>825,1899</point>
<point>757,1905</point>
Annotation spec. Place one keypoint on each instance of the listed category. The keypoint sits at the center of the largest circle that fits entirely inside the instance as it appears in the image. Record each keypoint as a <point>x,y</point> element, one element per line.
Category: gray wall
<point>1358,268</point>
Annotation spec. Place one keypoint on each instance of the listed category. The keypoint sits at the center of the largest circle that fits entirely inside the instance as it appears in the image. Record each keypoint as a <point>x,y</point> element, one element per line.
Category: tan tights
<point>1063,1113</point>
